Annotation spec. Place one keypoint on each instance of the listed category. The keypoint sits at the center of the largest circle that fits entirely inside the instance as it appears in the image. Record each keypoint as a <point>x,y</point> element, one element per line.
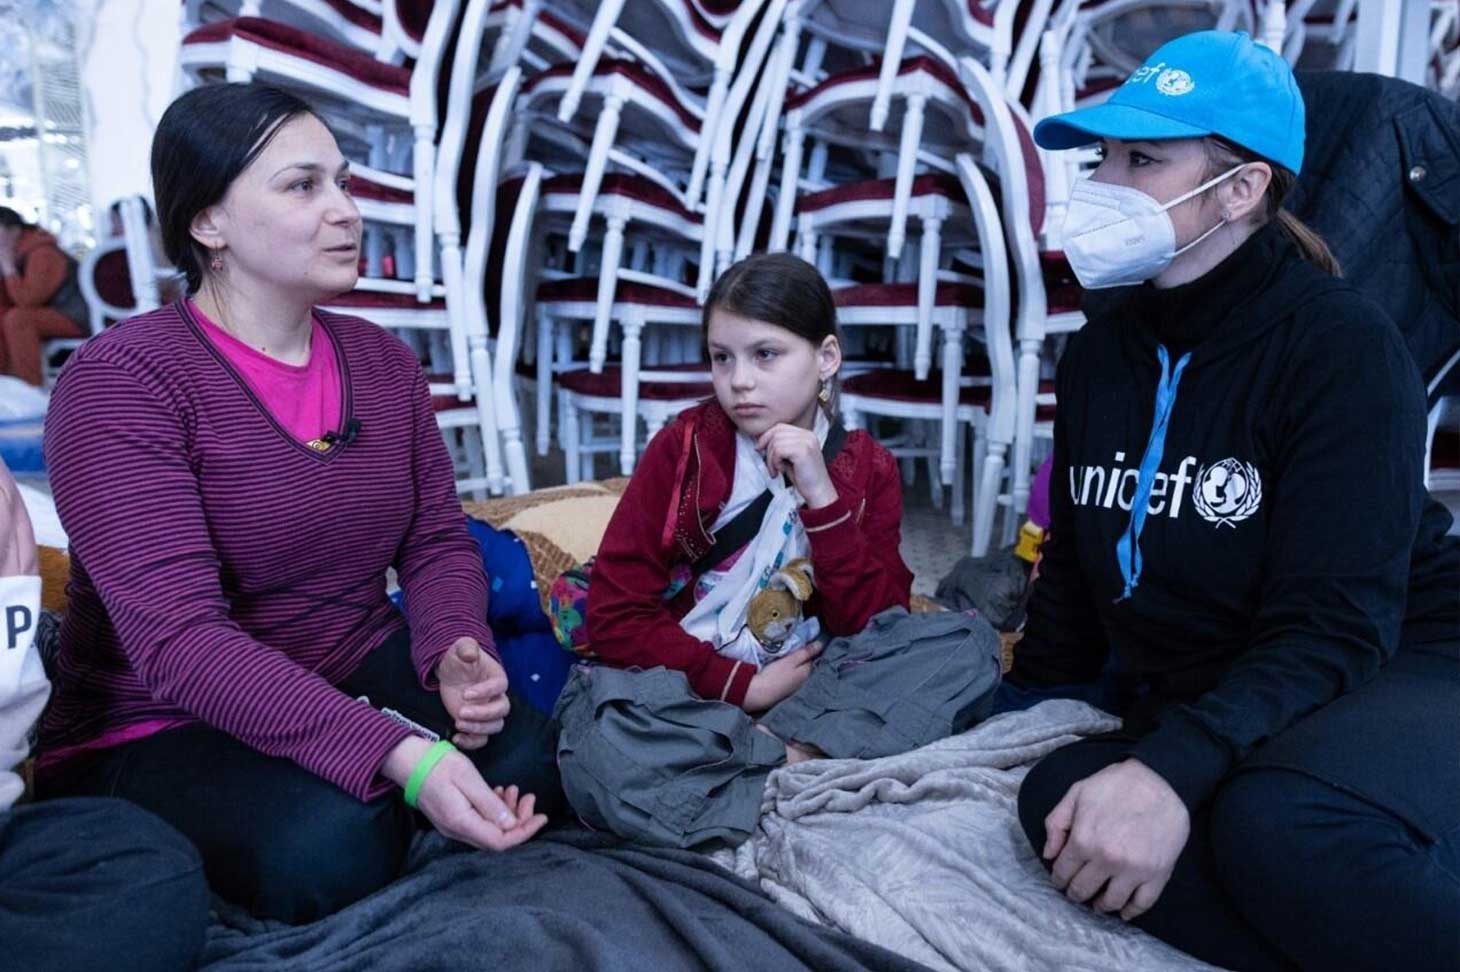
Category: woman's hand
<point>458,802</point>
<point>1115,838</point>
<point>474,690</point>
<point>796,452</point>
<point>780,679</point>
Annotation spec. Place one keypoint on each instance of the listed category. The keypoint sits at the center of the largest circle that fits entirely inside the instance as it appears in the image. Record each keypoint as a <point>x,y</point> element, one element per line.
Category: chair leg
<point>604,134</point>
<point>544,390</point>
<point>948,427</point>
<point>629,424</point>
<point>807,243</point>
<point>714,104</point>
<point>1027,385</point>
<point>515,453</point>
<point>476,470</point>
<point>902,11</point>
<point>957,509</point>
<point>980,448</point>
<point>374,251</point>
<point>790,177</point>
<point>986,500</point>
<point>613,245</point>
<point>423,162</point>
<point>604,20</point>
<point>587,455</point>
<point>928,251</point>
<point>481,368</point>
<point>572,441</point>
<point>907,160</point>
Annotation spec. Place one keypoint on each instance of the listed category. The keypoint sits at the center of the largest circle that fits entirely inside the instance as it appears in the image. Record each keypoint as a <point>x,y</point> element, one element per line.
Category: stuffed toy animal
<point>776,611</point>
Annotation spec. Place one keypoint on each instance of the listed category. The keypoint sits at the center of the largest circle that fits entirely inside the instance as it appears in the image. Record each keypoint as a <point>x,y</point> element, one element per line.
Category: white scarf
<point>720,616</point>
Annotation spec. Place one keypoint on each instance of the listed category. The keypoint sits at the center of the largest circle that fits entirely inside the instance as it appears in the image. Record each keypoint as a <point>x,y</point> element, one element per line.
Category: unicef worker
<point>1241,542</point>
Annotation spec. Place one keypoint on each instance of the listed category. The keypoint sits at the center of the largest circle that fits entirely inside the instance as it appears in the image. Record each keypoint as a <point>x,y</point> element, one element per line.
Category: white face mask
<point>1115,236</point>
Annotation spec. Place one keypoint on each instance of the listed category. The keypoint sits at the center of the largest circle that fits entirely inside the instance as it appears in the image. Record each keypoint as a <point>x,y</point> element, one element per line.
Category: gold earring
<point>825,393</point>
<point>216,264</point>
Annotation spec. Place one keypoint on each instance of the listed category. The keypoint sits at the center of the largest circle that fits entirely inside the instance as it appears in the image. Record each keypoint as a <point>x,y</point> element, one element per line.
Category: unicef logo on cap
<point>1174,82</point>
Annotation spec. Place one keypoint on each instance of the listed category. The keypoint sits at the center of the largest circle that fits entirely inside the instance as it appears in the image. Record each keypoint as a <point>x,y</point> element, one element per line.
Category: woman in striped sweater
<point>236,472</point>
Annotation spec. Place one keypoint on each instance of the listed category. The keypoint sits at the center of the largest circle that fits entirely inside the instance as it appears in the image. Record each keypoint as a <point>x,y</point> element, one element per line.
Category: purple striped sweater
<point>223,571</point>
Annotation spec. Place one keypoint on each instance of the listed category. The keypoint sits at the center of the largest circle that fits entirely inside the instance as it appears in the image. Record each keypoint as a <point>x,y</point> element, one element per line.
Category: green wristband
<point>423,769</point>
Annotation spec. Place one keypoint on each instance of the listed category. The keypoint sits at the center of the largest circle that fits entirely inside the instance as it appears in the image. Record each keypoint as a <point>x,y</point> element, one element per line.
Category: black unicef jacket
<point>1289,547</point>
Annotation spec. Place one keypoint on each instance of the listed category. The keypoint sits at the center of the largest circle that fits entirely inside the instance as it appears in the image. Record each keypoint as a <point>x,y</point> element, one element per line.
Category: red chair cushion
<point>609,384</point>
<point>375,298</point>
<point>357,15</point>
<point>720,8</point>
<point>932,184</point>
<point>448,401</point>
<point>1445,453</point>
<point>633,187</point>
<point>912,65</point>
<point>701,25</point>
<point>310,47</point>
<point>363,188</point>
<point>581,289</point>
<point>906,295</point>
<point>414,15</point>
<point>632,70</point>
<point>547,17</point>
<point>1062,291</point>
<point>113,279</point>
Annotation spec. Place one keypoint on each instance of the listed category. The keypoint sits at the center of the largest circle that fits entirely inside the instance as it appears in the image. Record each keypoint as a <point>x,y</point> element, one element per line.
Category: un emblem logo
<point>1174,82</point>
<point>1227,492</point>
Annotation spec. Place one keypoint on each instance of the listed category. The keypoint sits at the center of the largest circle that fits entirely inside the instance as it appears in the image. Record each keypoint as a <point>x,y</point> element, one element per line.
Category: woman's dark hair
<point>10,218</point>
<point>779,289</point>
<point>205,139</point>
<point>1222,155</point>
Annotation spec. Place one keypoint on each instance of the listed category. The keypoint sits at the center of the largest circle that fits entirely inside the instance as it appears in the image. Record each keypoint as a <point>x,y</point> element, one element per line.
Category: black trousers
<point>98,884</point>
<point>282,842</point>
<point>1335,846</point>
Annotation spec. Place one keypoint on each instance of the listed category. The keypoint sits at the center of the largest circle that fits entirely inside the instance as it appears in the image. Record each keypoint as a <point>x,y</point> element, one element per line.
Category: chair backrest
<point>342,20</point>
<point>518,250</point>
<point>432,74</point>
<point>481,228</point>
<point>105,279</point>
<point>137,235</point>
<point>463,121</point>
<point>408,24</point>
<point>1019,181</point>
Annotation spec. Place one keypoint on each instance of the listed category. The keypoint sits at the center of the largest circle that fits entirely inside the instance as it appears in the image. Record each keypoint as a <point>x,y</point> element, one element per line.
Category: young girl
<point>770,328</point>
<point>670,592</point>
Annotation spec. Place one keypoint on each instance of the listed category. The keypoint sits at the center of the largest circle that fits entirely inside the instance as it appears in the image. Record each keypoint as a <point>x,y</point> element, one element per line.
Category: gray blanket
<point>567,900</point>
<point>923,853</point>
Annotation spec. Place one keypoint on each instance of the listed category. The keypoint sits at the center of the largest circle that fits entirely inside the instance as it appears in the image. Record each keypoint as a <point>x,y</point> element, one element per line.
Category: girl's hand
<point>459,803</point>
<point>780,679</point>
<point>1115,838</point>
<point>796,452</point>
<point>474,690</point>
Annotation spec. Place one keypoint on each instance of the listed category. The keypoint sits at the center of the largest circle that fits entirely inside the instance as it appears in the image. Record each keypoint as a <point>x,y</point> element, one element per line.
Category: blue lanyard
<point>1128,547</point>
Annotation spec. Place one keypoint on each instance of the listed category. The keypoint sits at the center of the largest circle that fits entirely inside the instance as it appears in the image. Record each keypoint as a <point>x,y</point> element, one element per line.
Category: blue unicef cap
<point>1213,82</point>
